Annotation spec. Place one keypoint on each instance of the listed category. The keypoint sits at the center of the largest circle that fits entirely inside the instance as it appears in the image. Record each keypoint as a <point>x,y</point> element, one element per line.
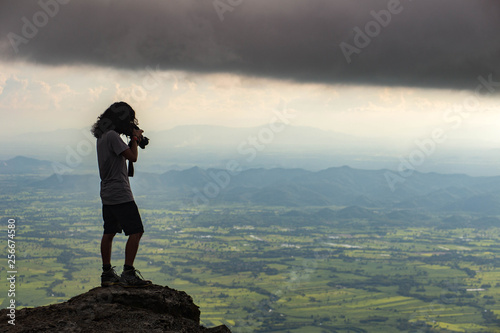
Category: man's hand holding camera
<point>141,140</point>
<point>137,133</point>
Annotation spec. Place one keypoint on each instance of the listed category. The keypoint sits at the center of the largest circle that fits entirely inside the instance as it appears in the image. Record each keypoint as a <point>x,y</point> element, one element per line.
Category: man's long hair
<point>119,117</point>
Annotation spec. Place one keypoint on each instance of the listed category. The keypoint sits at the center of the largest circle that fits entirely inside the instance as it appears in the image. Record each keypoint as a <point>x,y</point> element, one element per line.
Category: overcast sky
<point>445,43</point>
<point>368,68</point>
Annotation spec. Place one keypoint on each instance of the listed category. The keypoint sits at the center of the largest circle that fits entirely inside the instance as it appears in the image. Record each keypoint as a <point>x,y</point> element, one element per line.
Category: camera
<point>144,140</point>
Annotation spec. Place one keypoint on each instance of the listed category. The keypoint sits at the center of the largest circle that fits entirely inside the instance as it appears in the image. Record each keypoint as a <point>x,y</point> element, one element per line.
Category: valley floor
<point>270,269</point>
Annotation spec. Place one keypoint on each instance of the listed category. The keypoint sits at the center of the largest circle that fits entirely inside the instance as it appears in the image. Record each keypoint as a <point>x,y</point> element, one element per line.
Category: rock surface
<point>114,309</point>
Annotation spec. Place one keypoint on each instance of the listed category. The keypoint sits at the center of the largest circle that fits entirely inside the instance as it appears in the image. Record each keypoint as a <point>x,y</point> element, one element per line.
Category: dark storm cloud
<point>446,43</point>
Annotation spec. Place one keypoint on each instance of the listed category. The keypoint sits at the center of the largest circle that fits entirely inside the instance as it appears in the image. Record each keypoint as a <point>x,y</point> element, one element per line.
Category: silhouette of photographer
<point>119,210</point>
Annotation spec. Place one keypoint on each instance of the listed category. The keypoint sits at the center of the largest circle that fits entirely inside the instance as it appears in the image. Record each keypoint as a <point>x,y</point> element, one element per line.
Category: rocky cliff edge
<point>114,309</point>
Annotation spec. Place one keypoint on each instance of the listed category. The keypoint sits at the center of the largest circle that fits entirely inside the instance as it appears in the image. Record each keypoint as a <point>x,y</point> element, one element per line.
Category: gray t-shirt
<point>115,186</point>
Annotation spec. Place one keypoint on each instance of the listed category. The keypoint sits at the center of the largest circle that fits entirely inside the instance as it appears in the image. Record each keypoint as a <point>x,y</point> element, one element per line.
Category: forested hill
<point>342,186</point>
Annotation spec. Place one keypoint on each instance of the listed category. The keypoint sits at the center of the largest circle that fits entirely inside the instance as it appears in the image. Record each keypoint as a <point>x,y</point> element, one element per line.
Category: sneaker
<point>133,278</point>
<point>109,278</point>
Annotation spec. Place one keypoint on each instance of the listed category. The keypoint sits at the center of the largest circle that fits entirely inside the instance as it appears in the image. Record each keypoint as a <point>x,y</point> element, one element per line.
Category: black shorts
<point>122,216</point>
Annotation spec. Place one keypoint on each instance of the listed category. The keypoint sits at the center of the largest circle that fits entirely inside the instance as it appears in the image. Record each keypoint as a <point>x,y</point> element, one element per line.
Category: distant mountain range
<point>25,165</point>
<point>276,145</point>
<point>338,186</point>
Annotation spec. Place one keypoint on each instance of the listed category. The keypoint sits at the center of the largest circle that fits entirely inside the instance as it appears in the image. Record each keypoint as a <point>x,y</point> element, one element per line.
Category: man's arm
<point>132,153</point>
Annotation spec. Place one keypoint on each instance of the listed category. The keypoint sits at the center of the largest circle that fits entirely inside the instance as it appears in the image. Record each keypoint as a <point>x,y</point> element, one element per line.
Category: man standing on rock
<point>119,209</point>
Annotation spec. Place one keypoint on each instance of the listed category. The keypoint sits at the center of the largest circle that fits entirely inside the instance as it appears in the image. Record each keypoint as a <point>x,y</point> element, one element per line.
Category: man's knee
<point>137,235</point>
<point>108,236</point>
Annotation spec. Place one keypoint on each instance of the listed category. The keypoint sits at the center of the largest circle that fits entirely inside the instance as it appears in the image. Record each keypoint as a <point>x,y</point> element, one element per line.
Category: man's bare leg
<point>106,245</point>
<point>131,248</point>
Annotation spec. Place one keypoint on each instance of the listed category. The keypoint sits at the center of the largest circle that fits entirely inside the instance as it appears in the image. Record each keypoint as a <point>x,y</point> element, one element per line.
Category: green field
<point>260,269</point>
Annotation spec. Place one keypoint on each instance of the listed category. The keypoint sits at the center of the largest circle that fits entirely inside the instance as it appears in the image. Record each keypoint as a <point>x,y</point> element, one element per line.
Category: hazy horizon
<point>308,148</point>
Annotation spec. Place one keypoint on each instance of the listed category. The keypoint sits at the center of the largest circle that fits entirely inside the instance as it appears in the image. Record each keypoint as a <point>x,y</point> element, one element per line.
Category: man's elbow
<point>129,155</point>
